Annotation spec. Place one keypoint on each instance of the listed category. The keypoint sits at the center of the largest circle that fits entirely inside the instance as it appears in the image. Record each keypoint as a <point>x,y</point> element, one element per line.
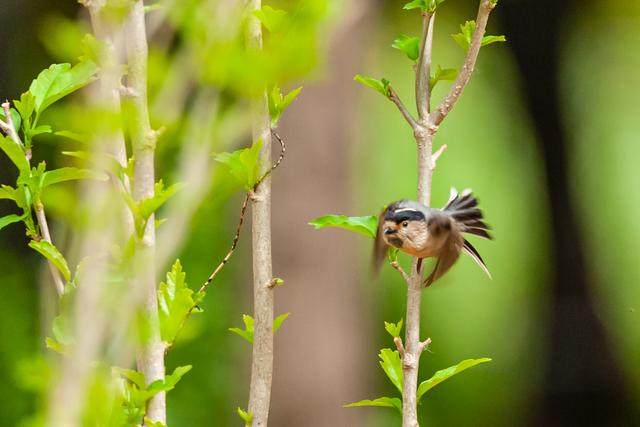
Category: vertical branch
<point>262,360</point>
<point>423,71</point>
<point>150,357</point>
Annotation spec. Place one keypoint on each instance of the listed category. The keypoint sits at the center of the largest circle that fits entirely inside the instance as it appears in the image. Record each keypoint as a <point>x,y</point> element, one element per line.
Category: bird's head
<point>403,223</point>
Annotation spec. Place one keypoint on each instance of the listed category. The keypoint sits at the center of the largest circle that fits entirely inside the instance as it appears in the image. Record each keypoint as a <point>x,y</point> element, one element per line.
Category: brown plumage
<point>426,232</point>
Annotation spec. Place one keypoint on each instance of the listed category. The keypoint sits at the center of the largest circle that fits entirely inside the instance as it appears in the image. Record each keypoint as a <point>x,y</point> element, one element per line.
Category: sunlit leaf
<point>390,362</point>
<point>424,5</point>
<point>393,329</point>
<point>11,219</point>
<point>486,40</point>
<point>385,402</point>
<point>409,45</point>
<point>175,300</point>
<point>277,322</point>
<point>7,192</point>
<point>135,377</point>
<point>146,207</point>
<point>244,164</point>
<point>59,80</point>
<point>56,346</point>
<point>247,332</point>
<point>366,225</point>
<point>463,38</point>
<point>445,374</point>
<point>15,153</point>
<point>442,74</point>
<point>381,86</point>
<point>271,18</point>
<point>50,252</point>
<point>70,174</point>
<point>25,106</point>
<point>246,416</point>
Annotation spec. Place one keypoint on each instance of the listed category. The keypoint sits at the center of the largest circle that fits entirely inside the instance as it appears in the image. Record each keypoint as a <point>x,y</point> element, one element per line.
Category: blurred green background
<point>545,134</point>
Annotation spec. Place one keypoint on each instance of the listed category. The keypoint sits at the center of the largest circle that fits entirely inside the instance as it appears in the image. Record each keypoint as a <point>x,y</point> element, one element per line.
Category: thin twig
<point>398,342</point>
<point>397,266</point>
<point>436,155</point>
<point>447,104</point>
<point>393,96</point>
<point>423,71</point>
<point>9,128</point>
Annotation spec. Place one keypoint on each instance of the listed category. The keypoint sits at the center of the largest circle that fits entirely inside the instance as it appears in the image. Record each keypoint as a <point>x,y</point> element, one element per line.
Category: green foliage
<point>243,165</point>
<point>409,45</point>
<point>272,19</point>
<point>11,219</point>
<point>15,117</point>
<point>381,86</point>
<point>441,74</point>
<point>392,366</point>
<point>447,373</point>
<point>463,38</point>
<point>15,153</point>
<point>393,329</point>
<point>52,253</point>
<point>58,81</point>
<point>278,103</point>
<point>385,402</point>
<point>175,302</point>
<point>366,225</point>
<point>423,5</point>
<point>69,174</point>
<point>246,416</point>
<point>247,332</point>
<point>143,209</point>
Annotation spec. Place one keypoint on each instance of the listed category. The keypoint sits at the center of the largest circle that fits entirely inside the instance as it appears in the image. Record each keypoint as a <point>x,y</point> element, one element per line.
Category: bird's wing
<point>448,256</point>
<point>380,247</point>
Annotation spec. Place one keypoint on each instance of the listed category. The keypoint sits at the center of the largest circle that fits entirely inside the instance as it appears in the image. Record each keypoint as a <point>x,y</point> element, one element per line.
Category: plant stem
<point>150,357</point>
<point>263,297</point>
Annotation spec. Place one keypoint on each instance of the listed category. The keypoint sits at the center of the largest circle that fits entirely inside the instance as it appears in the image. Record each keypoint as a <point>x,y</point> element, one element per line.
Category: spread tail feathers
<point>464,209</point>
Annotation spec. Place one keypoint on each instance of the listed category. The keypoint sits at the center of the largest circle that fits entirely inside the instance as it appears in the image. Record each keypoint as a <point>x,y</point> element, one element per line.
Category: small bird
<point>425,232</point>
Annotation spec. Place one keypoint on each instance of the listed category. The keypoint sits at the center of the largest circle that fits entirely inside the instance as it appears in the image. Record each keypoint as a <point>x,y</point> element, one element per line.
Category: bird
<point>425,232</point>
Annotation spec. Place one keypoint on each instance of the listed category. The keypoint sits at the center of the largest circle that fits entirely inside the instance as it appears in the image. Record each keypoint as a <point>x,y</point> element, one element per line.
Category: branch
<point>447,104</point>
<point>436,155</point>
<point>150,358</point>
<point>9,128</point>
<point>423,71</point>
<point>397,266</point>
<point>393,96</point>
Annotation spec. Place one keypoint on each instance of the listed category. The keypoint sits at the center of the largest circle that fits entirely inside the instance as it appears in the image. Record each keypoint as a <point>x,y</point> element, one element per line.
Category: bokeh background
<point>546,134</point>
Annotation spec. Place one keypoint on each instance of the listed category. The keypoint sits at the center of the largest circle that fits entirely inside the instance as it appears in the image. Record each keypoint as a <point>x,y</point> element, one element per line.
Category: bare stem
<point>263,296</point>
<point>423,72</point>
<point>393,96</point>
<point>447,104</point>
<point>150,358</point>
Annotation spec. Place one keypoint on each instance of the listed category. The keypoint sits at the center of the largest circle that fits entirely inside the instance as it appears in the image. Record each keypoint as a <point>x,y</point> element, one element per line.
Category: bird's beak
<point>388,231</point>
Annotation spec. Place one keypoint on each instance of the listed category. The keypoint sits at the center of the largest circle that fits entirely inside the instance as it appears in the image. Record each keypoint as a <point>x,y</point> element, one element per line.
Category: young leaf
<point>69,174</point>
<point>271,18</point>
<point>415,4</point>
<point>15,153</point>
<point>244,164</point>
<point>246,416</point>
<point>7,192</point>
<point>15,117</point>
<point>448,74</point>
<point>381,86</point>
<point>366,225</point>
<point>58,81</point>
<point>386,402</point>
<point>148,206</point>
<point>136,377</point>
<point>147,420</point>
<point>277,322</point>
<point>390,362</point>
<point>463,38</point>
<point>409,45</point>
<point>394,329</point>
<point>25,107</point>
<point>445,374</point>
<point>56,346</point>
<point>175,300</point>
<point>11,219</point>
<point>247,332</point>
<point>278,103</point>
<point>50,252</point>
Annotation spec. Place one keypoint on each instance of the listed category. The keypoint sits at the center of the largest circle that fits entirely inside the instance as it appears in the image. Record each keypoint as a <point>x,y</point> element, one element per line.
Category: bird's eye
<point>405,223</point>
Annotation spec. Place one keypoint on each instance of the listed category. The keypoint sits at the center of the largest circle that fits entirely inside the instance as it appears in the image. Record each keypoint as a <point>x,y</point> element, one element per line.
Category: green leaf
<point>271,18</point>
<point>433,5</point>
<point>415,4</point>
<point>11,219</point>
<point>463,38</point>
<point>392,254</point>
<point>175,300</point>
<point>381,85</point>
<point>15,117</point>
<point>246,416</point>
<point>25,106</point>
<point>366,225</point>
<point>394,329</point>
<point>15,153</point>
<point>247,332</point>
<point>147,420</point>
<point>136,377</point>
<point>486,40</point>
<point>279,103</point>
<point>51,253</point>
<point>148,206</point>
<point>244,164</point>
<point>385,402</point>
<point>170,381</point>
<point>70,174</point>
<point>409,45</point>
<point>445,374</point>
<point>277,322</point>
<point>37,131</point>
<point>442,74</point>
<point>7,192</point>
<point>56,346</point>
<point>58,81</point>
<point>390,362</point>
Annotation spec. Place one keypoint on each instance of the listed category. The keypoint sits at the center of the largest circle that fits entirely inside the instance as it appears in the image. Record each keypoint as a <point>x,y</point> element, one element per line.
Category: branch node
<point>128,92</point>
<point>424,344</point>
<point>409,361</point>
<point>272,283</point>
<point>398,342</point>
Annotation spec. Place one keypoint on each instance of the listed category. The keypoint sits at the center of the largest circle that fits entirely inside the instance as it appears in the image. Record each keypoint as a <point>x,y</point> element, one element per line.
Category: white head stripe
<point>405,210</point>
